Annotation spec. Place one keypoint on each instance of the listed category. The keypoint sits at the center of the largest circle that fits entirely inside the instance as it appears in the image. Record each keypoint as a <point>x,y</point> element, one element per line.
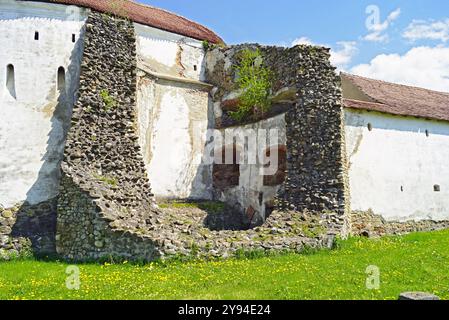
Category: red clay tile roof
<point>147,15</point>
<point>399,99</point>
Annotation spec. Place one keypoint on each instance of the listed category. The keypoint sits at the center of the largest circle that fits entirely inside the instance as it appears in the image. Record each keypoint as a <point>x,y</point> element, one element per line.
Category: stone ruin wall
<point>106,208</point>
<point>306,92</point>
<point>105,196</point>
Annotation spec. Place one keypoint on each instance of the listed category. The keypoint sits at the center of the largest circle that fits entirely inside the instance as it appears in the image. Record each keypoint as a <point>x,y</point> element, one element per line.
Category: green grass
<point>417,262</point>
<point>209,206</point>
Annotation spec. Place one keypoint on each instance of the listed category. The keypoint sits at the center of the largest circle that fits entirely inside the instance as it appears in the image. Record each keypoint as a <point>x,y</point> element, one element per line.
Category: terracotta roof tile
<point>399,99</point>
<point>147,15</point>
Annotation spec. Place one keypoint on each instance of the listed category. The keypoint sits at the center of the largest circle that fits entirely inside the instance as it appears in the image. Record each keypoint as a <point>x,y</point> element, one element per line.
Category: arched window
<point>11,80</point>
<point>61,79</point>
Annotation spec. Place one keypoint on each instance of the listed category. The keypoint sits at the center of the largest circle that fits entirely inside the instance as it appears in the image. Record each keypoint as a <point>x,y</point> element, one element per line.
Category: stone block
<point>416,296</point>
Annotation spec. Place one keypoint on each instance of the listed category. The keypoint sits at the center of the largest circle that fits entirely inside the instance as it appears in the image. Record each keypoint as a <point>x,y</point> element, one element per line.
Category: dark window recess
<point>195,67</point>
<point>226,175</point>
<point>436,188</point>
<point>36,35</point>
<point>279,177</point>
<point>11,80</point>
<point>402,189</point>
<point>427,133</point>
<point>73,38</point>
<point>61,79</point>
<point>370,127</point>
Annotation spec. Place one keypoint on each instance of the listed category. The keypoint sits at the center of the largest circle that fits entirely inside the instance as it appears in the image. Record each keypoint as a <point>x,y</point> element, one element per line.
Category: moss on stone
<point>112,181</point>
<point>109,101</point>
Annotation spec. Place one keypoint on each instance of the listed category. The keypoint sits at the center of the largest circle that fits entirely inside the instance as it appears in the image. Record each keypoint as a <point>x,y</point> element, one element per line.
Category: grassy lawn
<point>417,262</point>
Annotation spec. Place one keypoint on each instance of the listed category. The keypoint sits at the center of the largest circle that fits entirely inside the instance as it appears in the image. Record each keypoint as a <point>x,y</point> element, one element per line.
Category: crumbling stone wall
<point>316,176</point>
<point>368,224</point>
<point>105,196</point>
<point>307,90</point>
<point>25,228</point>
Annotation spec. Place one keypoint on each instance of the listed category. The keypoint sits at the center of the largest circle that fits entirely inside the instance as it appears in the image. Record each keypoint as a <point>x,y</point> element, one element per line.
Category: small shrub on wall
<point>255,82</point>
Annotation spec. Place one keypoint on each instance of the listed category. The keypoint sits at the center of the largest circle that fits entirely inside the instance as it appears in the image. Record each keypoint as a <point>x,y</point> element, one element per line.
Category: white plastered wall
<point>32,125</point>
<point>170,54</point>
<point>251,191</point>
<point>394,167</point>
<point>173,114</point>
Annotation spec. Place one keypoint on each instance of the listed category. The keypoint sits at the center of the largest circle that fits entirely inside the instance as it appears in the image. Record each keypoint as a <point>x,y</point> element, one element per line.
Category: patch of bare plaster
<point>356,148</point>
<point>179,61</point>
<point>158,67</point>
<point>49,109</point>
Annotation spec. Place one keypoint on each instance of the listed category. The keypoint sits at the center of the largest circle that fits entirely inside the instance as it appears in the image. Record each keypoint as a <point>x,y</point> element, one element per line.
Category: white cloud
<point>425,67</point>
<point>427,30</point>
<point>341,56</point>
<point>394,15</point>
<point>377,28</point>
<point>303,40</point>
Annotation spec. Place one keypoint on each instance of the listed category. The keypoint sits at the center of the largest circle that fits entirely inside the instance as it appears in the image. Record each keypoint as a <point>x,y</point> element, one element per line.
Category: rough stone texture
<point>106,208</point>
<point>86,233</point>
<point>309,91</point>
<point>202,232</point>
<point>315,177</point>
<point>28,227</point>
<point>105,196</point>
<point>418,296</point>
<point>368,224</point>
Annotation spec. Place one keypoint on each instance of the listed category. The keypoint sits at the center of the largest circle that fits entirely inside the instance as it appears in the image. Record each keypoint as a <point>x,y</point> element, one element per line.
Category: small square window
<point>436,188</point>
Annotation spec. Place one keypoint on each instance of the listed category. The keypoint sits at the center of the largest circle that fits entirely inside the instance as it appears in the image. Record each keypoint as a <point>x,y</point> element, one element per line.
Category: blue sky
<point>404,41</point>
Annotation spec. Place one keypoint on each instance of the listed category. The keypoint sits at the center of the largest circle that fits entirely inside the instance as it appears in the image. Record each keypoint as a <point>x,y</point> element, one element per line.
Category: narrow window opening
<point>402,188</point>
<point>61,79</point>
<point>73,38</point>
<point>36,35</point>
<point>260,198</point>
<point>11,80</point>
<point>436,188</point>
<point>427,133</point>
<point>370,127</point>
<point>195,67</point>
